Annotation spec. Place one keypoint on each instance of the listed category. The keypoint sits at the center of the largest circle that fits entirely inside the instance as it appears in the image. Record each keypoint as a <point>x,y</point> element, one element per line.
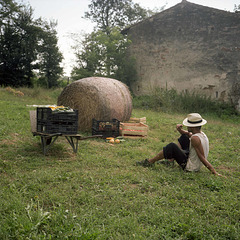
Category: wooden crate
<point>138,120</point>
<point>133,130</point>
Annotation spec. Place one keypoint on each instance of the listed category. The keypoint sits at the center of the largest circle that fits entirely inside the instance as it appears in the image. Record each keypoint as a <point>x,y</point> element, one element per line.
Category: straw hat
<point>194,120</point>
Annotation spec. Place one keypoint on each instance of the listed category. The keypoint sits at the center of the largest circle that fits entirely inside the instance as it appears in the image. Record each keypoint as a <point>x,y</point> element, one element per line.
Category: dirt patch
<point>228,169</point>
<point>14,138</point>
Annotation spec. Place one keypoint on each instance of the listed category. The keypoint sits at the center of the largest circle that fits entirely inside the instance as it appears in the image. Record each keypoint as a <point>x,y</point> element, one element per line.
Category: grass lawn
<point>99,193</point>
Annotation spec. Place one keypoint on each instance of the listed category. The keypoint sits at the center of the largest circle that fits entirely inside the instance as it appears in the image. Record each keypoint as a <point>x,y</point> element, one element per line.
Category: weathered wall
<point>191,48</point>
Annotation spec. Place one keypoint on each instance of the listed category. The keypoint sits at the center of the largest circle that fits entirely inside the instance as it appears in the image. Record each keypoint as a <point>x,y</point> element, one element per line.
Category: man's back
<point>194,163</point>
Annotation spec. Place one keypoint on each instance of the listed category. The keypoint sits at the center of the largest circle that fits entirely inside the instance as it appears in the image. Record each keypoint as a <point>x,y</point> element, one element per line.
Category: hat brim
<point>188,124</point>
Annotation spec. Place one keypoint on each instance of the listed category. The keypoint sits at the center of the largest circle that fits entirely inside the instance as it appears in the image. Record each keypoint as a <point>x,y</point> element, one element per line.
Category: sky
<point>69,16</point>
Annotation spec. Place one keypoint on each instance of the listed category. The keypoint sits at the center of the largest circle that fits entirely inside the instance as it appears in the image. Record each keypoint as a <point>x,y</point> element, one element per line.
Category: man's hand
<point>220,175</point>
<point>179,127</point>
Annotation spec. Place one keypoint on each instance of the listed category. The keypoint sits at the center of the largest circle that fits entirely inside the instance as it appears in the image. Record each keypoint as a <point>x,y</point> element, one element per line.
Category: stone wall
<point>191,48</point>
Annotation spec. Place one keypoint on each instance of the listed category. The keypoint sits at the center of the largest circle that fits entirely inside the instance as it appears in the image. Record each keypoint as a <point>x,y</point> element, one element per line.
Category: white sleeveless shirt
<point>194,163</point>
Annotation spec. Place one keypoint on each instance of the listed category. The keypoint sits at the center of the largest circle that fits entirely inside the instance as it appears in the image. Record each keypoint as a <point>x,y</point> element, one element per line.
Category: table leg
<point>45,143</point>
<point>73,144</point>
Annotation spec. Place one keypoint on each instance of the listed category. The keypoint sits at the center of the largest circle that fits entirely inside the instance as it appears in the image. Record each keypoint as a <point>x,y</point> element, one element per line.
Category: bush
<point>171,101</point>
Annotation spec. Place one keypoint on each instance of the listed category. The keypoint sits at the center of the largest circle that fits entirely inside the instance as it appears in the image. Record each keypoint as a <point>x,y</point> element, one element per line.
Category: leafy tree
<point>104,51</point>
<point>9,59</point>
<point>89,55</point>
<point>26,45</point>
<point>8,10</point>
<point>104,55</point>
<point>236,7</point>
<point>108,14</point>
<point>49,57</point>
<point>18,41</point>
<point>28,36</point>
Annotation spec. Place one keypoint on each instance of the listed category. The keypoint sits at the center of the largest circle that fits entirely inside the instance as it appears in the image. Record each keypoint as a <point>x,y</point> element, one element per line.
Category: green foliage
<point>104,51</point>
<point>17,37</point>
<point>27,45</point>
<point>49,67</point>
<point>171,101</point>
<point>109,14</point>
<point>236,7</point>
<point>105,55</point>
<point>99,193</point>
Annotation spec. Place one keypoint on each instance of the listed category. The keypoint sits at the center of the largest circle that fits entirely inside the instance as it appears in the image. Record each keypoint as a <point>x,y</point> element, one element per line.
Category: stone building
<point>188,47</point>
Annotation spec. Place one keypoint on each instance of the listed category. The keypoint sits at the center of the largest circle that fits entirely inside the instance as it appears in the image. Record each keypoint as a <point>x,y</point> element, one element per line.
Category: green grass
<point>99,193</point>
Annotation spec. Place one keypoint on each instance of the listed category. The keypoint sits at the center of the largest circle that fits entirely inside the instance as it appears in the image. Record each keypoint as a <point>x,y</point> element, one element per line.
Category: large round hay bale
<point>99,98</point>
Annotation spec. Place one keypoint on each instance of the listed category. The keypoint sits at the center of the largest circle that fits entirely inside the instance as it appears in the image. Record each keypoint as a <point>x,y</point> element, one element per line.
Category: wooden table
<point>47,140</point>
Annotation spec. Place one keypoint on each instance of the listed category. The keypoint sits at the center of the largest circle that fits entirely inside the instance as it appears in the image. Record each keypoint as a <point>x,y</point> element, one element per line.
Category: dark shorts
<point>172,150</point>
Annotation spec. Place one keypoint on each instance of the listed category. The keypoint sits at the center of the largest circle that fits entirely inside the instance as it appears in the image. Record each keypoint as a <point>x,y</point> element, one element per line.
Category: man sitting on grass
<point>192,149</point>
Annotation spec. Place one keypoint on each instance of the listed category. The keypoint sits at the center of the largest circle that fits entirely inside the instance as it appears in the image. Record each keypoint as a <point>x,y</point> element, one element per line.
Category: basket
<point>106,128</point>
<point>49,121</point>
<point>56,127</point>
<point>46,114</point>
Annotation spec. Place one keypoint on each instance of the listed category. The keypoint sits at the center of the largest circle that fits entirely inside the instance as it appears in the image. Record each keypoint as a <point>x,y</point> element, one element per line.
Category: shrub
<point>171,101</point>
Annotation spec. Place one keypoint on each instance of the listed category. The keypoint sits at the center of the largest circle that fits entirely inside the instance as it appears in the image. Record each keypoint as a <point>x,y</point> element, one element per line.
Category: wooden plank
<point>127,132</point>
<point>134,137</point>
<point>134,126</point>
<point>138,120</point>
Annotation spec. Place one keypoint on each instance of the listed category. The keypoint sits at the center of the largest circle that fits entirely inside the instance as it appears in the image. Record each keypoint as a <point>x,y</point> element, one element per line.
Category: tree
<point>104,55</point>
<point>90,55</point>
<point>18,41</point>
<point>8,10</point>
<point>108,14</point>
<point>28,33</point>
<point>236,7</point>
<point>50,56</point>
<point>104,51</point>
<point>26,45</point>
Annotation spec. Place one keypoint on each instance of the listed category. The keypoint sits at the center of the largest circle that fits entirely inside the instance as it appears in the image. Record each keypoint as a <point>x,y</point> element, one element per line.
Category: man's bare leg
<point>158,157</point>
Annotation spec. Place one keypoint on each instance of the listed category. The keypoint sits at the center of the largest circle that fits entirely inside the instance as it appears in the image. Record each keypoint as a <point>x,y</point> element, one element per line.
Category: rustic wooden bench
<point>47,139</point>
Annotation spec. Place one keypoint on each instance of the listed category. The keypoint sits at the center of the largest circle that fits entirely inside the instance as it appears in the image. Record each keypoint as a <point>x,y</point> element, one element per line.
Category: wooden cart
<point>47,140</point>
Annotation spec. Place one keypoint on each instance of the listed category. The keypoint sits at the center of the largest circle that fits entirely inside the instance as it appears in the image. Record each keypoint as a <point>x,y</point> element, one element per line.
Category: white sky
<point>69,13</point>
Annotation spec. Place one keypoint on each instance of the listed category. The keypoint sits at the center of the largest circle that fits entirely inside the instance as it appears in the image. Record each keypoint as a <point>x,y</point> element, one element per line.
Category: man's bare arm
<point>181,131</point>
